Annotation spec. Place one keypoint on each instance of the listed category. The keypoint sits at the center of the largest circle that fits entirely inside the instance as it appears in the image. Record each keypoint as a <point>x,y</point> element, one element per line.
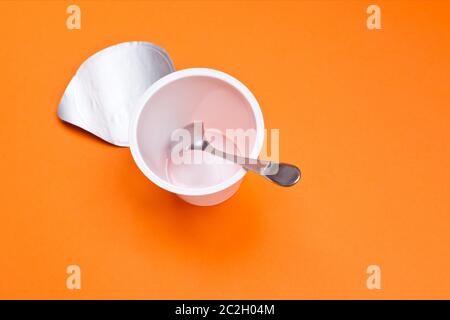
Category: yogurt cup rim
<point>174,76</point>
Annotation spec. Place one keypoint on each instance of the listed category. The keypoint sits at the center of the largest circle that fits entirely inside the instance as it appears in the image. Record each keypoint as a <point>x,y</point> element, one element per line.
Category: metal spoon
<point>283,174</point>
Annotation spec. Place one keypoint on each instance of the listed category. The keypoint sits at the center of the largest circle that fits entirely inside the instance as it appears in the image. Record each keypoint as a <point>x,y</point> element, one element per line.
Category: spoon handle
<point>283,174</point>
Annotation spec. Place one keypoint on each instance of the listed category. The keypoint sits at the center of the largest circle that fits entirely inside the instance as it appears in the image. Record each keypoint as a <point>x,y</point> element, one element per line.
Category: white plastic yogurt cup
<point>182,97</point>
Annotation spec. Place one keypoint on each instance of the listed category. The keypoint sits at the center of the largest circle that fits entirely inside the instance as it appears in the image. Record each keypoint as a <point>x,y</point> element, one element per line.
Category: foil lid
<point>103,93</point>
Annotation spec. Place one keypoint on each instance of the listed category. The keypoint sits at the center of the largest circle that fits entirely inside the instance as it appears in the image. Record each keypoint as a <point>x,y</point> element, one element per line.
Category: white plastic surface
<point>217,99</point>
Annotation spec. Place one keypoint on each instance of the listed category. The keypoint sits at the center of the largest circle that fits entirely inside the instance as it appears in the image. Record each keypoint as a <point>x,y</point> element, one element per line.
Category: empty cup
<point>224,105</point>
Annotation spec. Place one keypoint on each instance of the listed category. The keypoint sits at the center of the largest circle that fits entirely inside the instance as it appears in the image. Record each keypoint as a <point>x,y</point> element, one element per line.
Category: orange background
<point>365,114</point>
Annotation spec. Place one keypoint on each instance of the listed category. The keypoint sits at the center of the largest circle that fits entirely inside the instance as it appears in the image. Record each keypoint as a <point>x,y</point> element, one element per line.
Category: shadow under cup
<point>232,120</point>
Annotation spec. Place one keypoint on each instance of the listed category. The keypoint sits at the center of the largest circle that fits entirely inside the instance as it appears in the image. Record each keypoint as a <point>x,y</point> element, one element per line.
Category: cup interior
<point>222,103</point>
